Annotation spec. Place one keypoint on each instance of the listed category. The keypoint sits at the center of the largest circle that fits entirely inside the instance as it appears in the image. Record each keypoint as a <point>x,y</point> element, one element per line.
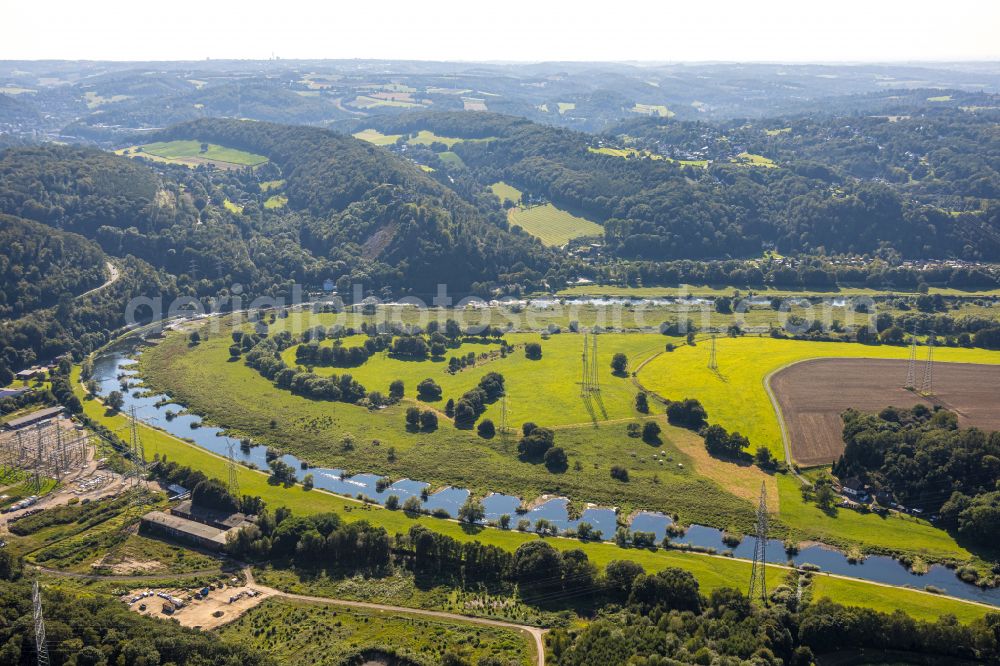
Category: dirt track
<point>812,394</point>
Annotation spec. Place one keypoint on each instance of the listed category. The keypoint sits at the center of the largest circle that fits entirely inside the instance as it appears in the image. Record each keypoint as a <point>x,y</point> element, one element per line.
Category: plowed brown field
<point>813,394</point>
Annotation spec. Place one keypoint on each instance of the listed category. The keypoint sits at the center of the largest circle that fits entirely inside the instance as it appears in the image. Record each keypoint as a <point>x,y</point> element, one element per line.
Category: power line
<point>758,574</point>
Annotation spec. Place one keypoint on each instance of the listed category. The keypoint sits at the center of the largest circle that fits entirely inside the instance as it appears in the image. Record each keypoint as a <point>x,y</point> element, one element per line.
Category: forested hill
<point>40,265</point>
<point>690,190</point>
<point>359,202</point>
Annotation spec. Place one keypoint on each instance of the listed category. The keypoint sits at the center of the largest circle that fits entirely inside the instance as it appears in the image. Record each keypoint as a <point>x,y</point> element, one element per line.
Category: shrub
<point>555,459</point>
<point>487,429</point>
<point>428,390</point>
<point>533,351</point>
<point>619,473</point>
<point>687,414</point>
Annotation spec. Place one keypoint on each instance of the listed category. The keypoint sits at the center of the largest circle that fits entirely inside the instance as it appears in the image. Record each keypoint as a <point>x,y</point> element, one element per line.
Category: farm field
<point>813,394</point>
<point>555,227</point>
<point>711,572</point>
<point>189,153</point>
<point>319,633</point>
<point>735,396</point>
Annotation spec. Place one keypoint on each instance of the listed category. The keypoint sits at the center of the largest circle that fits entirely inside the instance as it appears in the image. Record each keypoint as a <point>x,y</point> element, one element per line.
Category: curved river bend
<point>119,362</point>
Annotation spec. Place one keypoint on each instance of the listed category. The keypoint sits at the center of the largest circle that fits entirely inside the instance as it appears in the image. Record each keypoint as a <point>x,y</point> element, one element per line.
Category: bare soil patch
<point>813,394</point>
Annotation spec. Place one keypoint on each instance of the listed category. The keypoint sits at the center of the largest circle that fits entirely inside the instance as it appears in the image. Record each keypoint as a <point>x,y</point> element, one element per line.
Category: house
<point>30,373</point>
<point>12,392</point>
<point>855,488</point>
<point>885,498</point>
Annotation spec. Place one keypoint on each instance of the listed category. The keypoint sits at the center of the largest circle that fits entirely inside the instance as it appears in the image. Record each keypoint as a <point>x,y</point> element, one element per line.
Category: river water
<point>118,364</point>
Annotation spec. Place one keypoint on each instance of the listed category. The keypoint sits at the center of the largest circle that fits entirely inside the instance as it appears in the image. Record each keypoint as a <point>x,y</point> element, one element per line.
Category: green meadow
<point>553,226</point>
<point>711,571</point>
<point>276,201</point>
<point>183,151</point>
<point>755,160</point>
<point>376,137</point>
<point>506,192</point>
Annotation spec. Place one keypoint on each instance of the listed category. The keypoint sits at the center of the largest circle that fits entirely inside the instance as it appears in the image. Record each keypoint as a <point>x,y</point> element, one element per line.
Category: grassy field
<point>313,429</point>
<point>555,227</point>
<point>506,192</point>
<point>376,137</point>
<point>232,207</point>
<point>276,201</point>
<point>423,138</point>
<point>189,152</point>
<point>269,185</point>
<point>755,160</point>
<point>566,106</point>
<point>298,632</point>
<point>652,110</point>
<point>711,572</point>
<point>923,606</point>
<point>451,158</point>
<point>735,396</point>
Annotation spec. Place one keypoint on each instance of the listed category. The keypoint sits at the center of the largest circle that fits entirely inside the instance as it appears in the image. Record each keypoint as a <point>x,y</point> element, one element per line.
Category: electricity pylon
<point>504,432</point>
<point>758,573</point>
<point>712,362</point>
<point>41,648</point>
<point>234,480</point>
<point>927,387</point>
<point>911,368</point>
<point>595,377</point>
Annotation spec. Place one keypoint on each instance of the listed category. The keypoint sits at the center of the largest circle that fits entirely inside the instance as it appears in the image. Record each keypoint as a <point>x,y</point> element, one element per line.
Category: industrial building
<point>182,529</point>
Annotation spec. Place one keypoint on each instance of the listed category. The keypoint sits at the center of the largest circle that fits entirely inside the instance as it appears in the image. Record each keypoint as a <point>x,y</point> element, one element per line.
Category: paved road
<point>113,275</point>
<point>535,633</point>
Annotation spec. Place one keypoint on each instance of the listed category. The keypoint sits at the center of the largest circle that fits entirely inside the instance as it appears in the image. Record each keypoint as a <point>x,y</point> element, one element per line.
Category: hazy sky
<point>656,30</point>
